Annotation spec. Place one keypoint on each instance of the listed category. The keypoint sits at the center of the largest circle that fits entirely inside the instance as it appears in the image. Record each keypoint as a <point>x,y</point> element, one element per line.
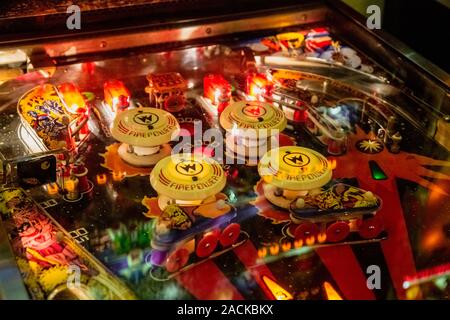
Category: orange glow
<point>101,178</point>
<point>310,241</point>
<point>321,237</point>
<point>333,164</point>
<point>73,98</point>
<point>278,292</point>
<point>258,85</point>
<point>298,243</point>
<point>118,175</point>
<point>117,96</point>
<point>262,252</point>
<point>274,249</point>
<point>52,188</point>
<point>330,292</point>
<point>286,246</point>
<point>217,89</point>
<point>69,185</point>
<point>432,239</point>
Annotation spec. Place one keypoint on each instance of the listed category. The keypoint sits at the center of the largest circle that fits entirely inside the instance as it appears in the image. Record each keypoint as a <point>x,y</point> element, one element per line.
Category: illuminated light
<point>432,239</point>
<point>427,275</point>
<point>441,283</point>
<point>322,237</point>
<point>333,164</point>
<point>116,95</point>
<point>258,85</point>
<point>274,249</point>
<point>286,246</point>
<point>73,99</point>
<point>413,293</point>
<point>406,284</point>
<point>376,171</point>
<point>278,292</point>
<point>330,292</point>
<point>101,178</point>
<point>300,116</point>
<point>310,241</point>
<point>298,243</point>
<point>334,111</point>
<point>69,185</point>
<point>88,67</point>
<point>217,89</point>
<point>52,188</point>
<point>262,252</point>
<point>118,175</point>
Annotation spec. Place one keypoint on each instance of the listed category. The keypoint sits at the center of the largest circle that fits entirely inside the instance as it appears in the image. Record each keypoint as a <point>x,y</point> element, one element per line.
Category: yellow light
<point>101,178</point>
<point>330,292</point>
<point>278,292</point>
<point>73,98</point>
<point>413,293</point>
<point>52,188</point>
<point>69,185</point>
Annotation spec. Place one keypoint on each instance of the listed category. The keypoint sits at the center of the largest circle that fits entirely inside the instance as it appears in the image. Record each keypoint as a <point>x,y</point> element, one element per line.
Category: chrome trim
<point>423,79</point>
<point>182,31</point>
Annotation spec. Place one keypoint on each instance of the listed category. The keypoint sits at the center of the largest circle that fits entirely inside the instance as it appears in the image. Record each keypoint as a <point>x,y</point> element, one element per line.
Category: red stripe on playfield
<point>248,255</point>
<point>346,271</point>
<point>207,282</point>
<point>397,247</point>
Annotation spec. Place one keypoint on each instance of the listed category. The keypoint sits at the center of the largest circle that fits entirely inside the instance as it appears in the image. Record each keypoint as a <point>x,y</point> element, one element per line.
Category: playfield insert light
<point>331,292</point>
<point>116,95</point>
<point>277,291</point>
<point>218,90</point>
<point>258,85</point>
<point>73,99</point>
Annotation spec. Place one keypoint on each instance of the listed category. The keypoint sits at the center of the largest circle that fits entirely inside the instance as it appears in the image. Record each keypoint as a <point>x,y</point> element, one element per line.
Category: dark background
<point>423,25</point>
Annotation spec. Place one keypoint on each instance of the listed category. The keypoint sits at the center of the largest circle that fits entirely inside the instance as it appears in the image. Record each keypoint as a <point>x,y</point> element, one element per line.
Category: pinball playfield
<point>282,166</point>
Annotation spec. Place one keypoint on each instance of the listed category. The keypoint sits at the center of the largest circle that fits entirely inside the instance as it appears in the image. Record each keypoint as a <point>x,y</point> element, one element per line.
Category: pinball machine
<point>219,150</point>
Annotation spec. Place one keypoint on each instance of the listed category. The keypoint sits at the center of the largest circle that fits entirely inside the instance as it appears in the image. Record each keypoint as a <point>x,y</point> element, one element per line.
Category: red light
<point>218,90</point>
<point>73,98</point>
<point>88,67</point>
<point>258,85</point>
<point>300,115</point>
<point>117,96</point>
